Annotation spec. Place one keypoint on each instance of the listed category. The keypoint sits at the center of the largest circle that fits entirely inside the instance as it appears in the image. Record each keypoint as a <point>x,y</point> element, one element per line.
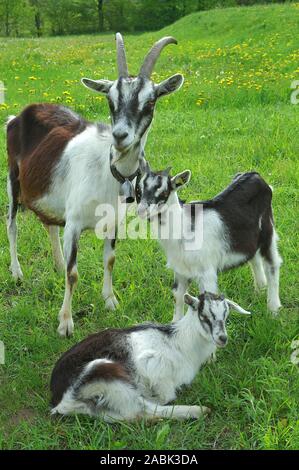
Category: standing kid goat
<point>131,373</point>
<point>60,166</point>
<point>236,226</point>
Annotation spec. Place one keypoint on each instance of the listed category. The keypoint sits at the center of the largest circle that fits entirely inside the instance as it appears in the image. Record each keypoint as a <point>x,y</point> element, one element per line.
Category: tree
<point>101,14</point>
<point>57,17</point>
<point>59,14</point>
<point>11,14</point>
<point>120,15</point>
<point>37,12</point>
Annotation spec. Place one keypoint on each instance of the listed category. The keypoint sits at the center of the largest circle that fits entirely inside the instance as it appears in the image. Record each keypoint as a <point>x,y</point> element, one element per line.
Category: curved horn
<point>152,56</point>
<point>121,56</point>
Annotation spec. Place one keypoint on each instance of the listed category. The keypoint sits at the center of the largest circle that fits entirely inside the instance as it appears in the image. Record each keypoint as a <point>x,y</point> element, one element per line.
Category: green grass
<point>233,114</point>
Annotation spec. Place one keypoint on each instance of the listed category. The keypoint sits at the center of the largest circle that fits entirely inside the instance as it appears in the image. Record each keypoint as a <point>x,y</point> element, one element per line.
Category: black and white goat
<point>236,226</point>
<point>60,166</point>
<point>126,374</point>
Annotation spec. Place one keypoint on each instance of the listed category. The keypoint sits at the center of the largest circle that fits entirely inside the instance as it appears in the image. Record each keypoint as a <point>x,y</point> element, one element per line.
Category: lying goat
<point>236,226</point>
<point>126,374</point>
<point>63,167</point>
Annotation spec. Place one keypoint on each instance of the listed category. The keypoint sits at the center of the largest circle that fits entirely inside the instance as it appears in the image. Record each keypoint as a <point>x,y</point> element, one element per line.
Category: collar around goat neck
<point>117,175</point>
<point>122,179</point>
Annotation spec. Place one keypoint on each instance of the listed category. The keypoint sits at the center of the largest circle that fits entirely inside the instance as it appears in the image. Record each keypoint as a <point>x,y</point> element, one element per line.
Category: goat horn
<point>152,56</point>
<point>121,56</point>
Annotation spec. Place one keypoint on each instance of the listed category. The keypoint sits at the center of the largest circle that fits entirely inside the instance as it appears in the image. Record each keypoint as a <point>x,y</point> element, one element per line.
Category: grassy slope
<point>233,114</point>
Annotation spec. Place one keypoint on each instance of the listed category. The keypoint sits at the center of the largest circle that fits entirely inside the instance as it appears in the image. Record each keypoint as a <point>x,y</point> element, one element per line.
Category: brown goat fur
<point>36,140</point>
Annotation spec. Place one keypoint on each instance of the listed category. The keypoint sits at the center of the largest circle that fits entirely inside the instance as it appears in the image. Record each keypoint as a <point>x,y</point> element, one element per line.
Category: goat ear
<point>191,301</point>
<point>181,179</point>
<point>102,86</point>
<point>167,171</point>
<point>169,85</point>
<point>237,307</point>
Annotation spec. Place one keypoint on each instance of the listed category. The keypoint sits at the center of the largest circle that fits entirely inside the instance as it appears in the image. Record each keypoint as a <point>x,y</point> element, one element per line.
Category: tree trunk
<point>38,24</point>
<point>7,30</point>
<point>101,15</point>
<point>121,14</point>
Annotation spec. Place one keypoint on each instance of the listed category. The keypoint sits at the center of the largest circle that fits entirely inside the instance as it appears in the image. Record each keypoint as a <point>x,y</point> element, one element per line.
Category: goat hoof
<point>196,411</point>
<point>66,328</point>
<point>16,272</point>
<point>206,410</point>
<point>111,303</point>
<point>274,308</point>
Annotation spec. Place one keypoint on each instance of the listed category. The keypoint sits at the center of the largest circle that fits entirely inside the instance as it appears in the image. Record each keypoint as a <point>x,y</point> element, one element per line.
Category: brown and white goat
<point>59,165</point>
<point>132,373</point>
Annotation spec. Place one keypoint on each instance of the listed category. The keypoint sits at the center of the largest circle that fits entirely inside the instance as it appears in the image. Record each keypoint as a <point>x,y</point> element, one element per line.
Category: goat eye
<point>204,318</point>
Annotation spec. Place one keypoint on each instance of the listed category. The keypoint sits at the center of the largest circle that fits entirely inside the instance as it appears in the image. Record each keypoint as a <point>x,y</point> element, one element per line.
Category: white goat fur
<point>212,254</point>
<point>158,360</point>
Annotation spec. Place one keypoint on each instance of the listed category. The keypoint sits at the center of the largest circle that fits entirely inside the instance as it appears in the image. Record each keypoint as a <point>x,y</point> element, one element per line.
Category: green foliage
<point>232,114</point>
<point>59,17</point>
<point>14,17</point>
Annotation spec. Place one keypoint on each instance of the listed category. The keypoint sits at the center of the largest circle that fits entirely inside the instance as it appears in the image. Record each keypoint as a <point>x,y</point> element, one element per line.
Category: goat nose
<point>119,136</point>
<point>223,339</point>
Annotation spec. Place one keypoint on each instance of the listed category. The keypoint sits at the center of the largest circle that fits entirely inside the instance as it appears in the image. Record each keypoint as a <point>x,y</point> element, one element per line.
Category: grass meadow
<point>233,114</point>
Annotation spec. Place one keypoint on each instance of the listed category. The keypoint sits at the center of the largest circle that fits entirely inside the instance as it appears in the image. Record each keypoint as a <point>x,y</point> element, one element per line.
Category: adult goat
<point>62,166</point>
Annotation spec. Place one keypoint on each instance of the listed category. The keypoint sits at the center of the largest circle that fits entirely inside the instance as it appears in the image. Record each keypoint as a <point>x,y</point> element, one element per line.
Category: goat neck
<point>127,162</point>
